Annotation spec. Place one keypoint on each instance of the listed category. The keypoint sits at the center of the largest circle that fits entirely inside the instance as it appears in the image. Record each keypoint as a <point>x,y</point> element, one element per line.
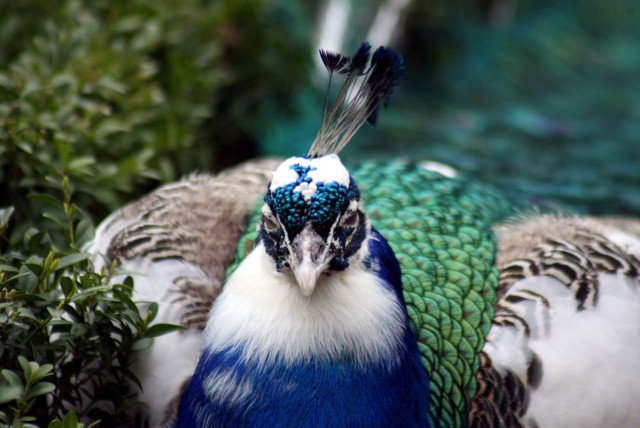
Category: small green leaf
<point>71,421</point>
<point>26,312</point>
<point>68,285</point>
<point>40,388</point>
<point>125,299</point>
<point>131,376</point>
<point>78,330</point>
<point>5,214</point>
<point>72,259</point>
<point>142,344</point>
<point>153,311</point>
<point>13,379</point>
<point>84,231</point>
<point>9,393</point>
<point>35,268</point>
<point>36,240</point>
<point>61,222</point>
<point>26,367</point>
<point>55,181</point>
<point>50,263</point>
<point>8,268</point>
<point>55,313</point>
<point>44,371</point>
<point>160,329</point>
<point>128,282</point>
<point>87,281</point>
<point>81,162</point>
<point>91,291</point>
<point>71,310</point>
<point>46,199</point>
<point>29,297</point>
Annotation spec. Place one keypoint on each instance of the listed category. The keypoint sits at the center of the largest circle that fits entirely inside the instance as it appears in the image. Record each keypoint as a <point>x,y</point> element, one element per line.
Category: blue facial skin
<point>316,392</point>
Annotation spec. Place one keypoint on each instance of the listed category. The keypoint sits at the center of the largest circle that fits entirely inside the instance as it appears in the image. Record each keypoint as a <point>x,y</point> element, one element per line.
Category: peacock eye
<point>269,224</point>
<point>282,264</point>
<point>268,221</point>
<point>349,219</point>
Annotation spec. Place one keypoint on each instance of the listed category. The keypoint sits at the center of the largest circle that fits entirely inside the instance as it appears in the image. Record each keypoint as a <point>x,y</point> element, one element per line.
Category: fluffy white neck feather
<point>263,311</point>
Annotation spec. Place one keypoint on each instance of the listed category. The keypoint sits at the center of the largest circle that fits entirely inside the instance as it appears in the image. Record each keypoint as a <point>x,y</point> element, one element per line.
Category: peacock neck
<point>344,356</point>
<point>353,312</point>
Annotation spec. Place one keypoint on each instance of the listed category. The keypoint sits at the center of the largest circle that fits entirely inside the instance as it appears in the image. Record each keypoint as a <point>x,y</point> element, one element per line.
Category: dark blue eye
<point>270,225</point>
<point>282,264</point>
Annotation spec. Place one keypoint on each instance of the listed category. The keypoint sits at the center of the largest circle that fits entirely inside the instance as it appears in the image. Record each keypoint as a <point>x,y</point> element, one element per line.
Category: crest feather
<point>368,85</point>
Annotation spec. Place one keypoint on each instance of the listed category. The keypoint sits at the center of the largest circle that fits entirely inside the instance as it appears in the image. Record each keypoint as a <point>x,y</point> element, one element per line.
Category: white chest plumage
<point>264,311</point>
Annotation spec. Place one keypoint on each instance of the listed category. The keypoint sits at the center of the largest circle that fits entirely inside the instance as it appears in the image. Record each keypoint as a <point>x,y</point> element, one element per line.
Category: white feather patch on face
<point>325,169</point>
<point>263,313</point>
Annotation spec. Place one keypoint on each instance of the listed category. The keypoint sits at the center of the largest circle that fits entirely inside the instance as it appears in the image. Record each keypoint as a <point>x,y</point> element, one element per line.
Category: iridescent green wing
<point>439,229</point>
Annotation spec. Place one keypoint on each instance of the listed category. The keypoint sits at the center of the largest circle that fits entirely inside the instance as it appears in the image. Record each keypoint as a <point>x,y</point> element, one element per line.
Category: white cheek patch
<point>325,169</point>
<point>354,205</point>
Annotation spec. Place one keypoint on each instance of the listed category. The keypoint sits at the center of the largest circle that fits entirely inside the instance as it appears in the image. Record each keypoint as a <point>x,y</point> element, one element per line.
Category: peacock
<point>389,293</point>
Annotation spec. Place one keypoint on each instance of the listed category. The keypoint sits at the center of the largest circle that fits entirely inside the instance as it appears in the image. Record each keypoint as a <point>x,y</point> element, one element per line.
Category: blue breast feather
<point>315,392</point>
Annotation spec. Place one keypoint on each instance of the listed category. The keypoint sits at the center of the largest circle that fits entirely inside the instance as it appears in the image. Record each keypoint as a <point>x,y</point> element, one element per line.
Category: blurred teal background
<point>537,97</point>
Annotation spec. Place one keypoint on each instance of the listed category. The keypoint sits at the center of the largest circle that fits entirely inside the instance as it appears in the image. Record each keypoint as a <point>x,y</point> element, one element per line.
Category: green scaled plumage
<point>440,231</point>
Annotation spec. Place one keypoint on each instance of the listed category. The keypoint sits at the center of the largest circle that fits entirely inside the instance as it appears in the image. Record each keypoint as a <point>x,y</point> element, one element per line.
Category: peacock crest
<point>370,81</point>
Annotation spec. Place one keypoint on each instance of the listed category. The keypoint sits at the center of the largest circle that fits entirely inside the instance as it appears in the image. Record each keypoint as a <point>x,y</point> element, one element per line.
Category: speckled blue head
<point>310,190</point>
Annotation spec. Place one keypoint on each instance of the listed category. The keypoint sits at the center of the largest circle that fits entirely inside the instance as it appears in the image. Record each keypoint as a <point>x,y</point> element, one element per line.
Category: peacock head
<point>312,221</point>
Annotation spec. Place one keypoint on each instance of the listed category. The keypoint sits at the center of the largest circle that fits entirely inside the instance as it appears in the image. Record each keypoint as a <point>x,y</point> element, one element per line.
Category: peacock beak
<point>307,274</point>
<point>310,259</point>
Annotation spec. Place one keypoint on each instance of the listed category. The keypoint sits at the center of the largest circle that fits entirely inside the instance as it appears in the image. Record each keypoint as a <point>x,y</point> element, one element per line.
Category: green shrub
<point>89,99</point>
<point>66,334</point>
<point>120,95</point>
